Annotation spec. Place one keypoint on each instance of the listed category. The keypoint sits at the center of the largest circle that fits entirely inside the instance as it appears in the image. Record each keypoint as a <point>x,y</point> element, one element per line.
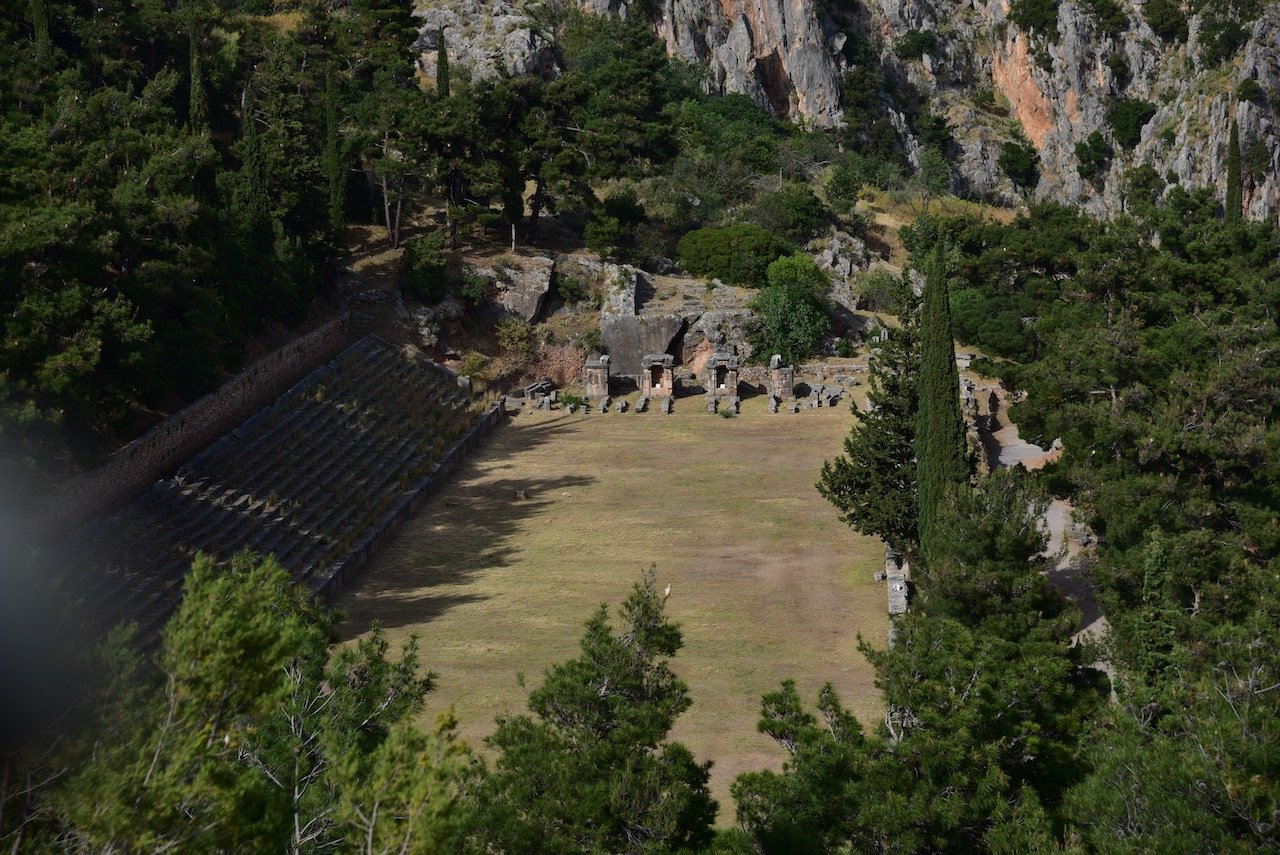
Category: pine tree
<point>941,448</point>
<point>442,65</point>
<point>874,483</point>
<point>593,770</point>
<point>1234,192</point>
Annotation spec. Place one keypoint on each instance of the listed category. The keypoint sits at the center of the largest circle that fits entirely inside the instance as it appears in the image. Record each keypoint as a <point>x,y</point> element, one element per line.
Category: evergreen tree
<point>591,770</point>
<point>941,445</point>
<point>334,167</point>
<point>39,14</point>
<point>442,65</point>
<point>874,483</point>
<point>198,107</point>
<point>1234,203</point>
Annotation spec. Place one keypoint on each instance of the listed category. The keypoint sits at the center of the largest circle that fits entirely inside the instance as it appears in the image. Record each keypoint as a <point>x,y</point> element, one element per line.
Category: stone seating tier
<point>308,479</point>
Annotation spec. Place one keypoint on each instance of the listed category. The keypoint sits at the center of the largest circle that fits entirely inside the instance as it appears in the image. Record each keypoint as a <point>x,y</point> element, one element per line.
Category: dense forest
<point>179,174</point>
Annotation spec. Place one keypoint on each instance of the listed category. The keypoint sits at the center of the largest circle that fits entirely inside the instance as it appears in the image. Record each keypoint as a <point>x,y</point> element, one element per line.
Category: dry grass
<point>767,583</point>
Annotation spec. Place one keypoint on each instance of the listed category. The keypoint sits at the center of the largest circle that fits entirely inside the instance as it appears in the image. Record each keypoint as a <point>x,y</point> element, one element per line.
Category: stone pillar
<point>596,377</point>
<point>782,379</point>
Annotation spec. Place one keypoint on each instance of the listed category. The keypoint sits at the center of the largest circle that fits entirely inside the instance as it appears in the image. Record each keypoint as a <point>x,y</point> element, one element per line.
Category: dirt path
<point>1069,540</point>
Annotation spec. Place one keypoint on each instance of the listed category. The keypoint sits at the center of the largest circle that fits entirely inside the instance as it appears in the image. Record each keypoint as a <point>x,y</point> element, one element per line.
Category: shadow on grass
<point>471,526</point>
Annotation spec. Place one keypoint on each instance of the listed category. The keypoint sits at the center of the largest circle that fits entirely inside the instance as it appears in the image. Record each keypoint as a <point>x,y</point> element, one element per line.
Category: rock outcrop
<point>626,333</point>
<point>992,81</point>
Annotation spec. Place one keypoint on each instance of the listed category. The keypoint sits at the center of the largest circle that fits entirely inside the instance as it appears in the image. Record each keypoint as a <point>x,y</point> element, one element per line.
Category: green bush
<point>475,288</point>
<point>1021,162</point>
<point>1040,16</point>
<point>881,291</point>
<point>423,266</point>
<point>1128,117</point>
<point>791,318</point>
<point>1166,19</point>
<point>860,170</point>
<point>1092,156</point>
<point>738,254</point>
<point>1257,161</point>
<point>1110,16</point>
<point>792,212</point>
<point>844,348</point>
<point>916,43</point>
<point>1249,90</point>
<point>573,289</point>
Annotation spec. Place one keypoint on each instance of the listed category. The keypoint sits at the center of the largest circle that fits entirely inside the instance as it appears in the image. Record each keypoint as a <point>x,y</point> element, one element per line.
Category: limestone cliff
<point>990,79</point>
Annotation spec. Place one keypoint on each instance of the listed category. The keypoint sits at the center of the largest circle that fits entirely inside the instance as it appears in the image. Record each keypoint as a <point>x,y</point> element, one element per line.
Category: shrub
<point>1128,117</point>
<point>1110,15</point>
<point>737,254</point>
<point>1021,162</point>
<point>1040,16</point>
<point>1092,156</point>
<point>473,365</point>
<point>572,289</point>
<point>1249,90</point>
<point>475,288</point>
<point>844,348</point>
<point>881,291</point>
<point>423,266</point>
<point>856,171</point>
<point>517,340</point>
<point>791,317</point>
<point>1166,19</point>
<point>916,43</point>
<point>793,212</point>
<point>1257,161</point>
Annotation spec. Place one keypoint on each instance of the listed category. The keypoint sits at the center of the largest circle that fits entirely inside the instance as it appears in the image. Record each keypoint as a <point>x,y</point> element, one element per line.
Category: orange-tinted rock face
<point>1011,72</point>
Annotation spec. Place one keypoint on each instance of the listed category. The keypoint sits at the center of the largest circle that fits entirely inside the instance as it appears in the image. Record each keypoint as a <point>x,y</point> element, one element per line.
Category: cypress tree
<point>941,448</point>
<point>40,27</point>
<point>198,110</point>
<point>334,169</point>
<point>442,65</point>
<point>1234,193</point>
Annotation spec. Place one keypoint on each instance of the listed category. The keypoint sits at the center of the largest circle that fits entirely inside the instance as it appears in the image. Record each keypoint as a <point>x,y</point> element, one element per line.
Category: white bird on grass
<point>667,592</point>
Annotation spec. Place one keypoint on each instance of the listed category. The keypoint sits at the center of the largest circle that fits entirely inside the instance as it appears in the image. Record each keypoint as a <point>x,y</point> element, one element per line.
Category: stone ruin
<point>657,380</point>
<point>596,376</point>
<point>781,383</point>
<point>720,377</point>
<point>896,575</point>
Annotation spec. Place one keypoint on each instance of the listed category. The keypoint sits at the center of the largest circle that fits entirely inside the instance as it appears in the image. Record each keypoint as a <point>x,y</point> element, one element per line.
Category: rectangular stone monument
<point>720,377</point>
<point>656,377</point>
<point>596,376</point>
<point>782,379</point>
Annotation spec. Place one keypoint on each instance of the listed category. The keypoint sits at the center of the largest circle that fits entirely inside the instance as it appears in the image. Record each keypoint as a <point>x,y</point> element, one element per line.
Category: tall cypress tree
<point>442,65</point>
<point>1234,201</point>
<point>39,14</point>
<point>334,168</point>
<point>941,448</point>
<point>198,108</point>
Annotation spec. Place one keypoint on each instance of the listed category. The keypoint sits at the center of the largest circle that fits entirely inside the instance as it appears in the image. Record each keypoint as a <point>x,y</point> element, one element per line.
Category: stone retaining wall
<point>159,452</point>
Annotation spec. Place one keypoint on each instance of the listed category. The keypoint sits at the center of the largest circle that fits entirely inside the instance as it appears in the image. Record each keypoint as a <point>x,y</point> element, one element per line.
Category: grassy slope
<point>767,583</point>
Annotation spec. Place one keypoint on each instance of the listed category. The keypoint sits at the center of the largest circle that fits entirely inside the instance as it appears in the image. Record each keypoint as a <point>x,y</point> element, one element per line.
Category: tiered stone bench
<point>320,479</point>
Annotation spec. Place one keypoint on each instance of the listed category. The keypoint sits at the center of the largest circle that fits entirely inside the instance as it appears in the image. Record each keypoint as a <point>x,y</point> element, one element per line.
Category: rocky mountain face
<point>991,80</point>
